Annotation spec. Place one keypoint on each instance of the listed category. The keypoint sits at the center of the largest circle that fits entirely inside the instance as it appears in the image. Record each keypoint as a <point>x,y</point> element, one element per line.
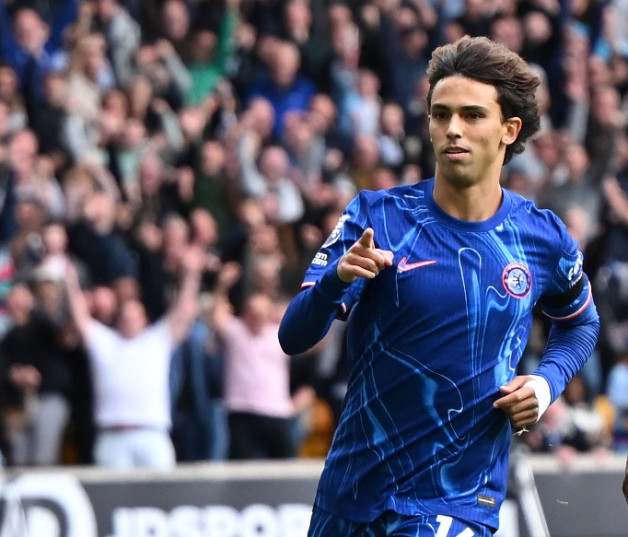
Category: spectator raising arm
<point>76,299</point>
<point>222,310</point>
<point>185,307</point>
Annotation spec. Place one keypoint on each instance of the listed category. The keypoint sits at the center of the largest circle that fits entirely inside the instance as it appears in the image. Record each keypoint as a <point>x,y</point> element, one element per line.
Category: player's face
<point>468,132</point>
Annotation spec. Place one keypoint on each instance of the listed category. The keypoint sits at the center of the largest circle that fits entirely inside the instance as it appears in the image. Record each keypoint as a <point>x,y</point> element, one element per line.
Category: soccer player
<point>438,281</point>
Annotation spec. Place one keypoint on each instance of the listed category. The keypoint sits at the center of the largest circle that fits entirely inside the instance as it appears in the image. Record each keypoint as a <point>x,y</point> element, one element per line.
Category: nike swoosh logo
<point>405,267</point>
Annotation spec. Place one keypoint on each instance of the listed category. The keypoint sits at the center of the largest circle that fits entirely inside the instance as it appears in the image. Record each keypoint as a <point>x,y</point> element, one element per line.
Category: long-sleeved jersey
<point>431,339</point>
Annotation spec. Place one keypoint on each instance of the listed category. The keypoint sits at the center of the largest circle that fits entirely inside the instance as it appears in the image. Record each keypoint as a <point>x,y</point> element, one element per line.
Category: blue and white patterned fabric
<point>431,339</point>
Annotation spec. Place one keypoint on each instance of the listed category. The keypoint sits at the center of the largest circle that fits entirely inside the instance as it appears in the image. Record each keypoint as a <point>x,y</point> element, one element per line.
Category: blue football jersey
<point>431,339</point>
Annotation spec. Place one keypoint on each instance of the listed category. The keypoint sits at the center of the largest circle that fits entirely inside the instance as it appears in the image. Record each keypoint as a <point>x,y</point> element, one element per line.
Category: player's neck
<point>474,203</point>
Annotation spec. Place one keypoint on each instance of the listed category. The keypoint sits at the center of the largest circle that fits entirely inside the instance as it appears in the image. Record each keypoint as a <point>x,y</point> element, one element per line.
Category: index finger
<point>366,239</point>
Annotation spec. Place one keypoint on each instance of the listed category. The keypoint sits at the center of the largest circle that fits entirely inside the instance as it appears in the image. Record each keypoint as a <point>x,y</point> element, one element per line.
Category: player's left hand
<point>519,402</point>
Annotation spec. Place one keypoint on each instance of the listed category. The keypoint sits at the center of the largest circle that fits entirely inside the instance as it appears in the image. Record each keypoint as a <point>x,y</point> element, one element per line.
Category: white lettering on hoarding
<point>256,520</point>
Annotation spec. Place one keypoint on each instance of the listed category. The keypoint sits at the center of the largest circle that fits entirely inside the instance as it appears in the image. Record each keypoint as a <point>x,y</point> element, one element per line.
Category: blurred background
<point>135,132</point>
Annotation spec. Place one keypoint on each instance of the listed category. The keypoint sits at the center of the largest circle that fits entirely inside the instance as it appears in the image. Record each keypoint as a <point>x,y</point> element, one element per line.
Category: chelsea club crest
<point>517,280</point>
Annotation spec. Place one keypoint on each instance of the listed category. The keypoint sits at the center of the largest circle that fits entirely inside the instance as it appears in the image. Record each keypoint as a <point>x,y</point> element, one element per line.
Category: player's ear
<point>512,127</point>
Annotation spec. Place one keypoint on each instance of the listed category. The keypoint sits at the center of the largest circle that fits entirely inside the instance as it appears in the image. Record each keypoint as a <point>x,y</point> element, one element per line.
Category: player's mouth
<point>455,152</point>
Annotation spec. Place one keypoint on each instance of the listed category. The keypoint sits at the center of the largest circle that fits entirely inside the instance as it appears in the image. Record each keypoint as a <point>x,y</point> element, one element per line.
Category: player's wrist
<point>541,391</point>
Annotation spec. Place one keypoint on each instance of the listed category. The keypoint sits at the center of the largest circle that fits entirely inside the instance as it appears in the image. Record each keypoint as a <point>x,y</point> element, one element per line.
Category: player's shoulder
<point>398,193</point>
<point>527,214</point>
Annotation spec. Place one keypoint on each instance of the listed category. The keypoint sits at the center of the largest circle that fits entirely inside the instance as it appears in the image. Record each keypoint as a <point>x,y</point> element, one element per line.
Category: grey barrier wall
<point>584,500</point>
<point>265,500</point>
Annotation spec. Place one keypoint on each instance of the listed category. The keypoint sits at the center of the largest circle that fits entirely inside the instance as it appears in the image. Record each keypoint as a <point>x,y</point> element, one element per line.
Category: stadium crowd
<point>153,151</point>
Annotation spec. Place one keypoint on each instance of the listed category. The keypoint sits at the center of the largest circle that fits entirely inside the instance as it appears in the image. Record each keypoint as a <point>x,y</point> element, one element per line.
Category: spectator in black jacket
<point>35,380</point>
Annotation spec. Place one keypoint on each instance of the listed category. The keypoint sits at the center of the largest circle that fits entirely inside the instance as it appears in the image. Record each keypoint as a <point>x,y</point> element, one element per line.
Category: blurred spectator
<point>34,173</point>
<point>396,149</point>
<point>12,99</point>
<point>262,414</point>
<point>407,32</point>
<point>88,76</point>
<point>242,127</point>
<point>204,235</point>
<point>36,380</point>
<point>175,25</point>
<point>209,55</point>
<point>97,242</point>
<point>605,124</point>
<point>578,187</point>
<point>573,424</point>
<point>28,54</point>
<point>474,19</point>
<point>213,189</point>
<point>297,26</point>
<point>344,71</point>
<point>103,304</point>
<point>612,277</point>
<point>158,191</point>
<point>508,30</point>
<point>364,106</point>
<point>271,183</point>
<point>80,182</point>
<point>50,124</point>
<point>364,161</point>
<point>168,75</point>
<point>618,395</point>
<point>199,422</point>
<point>306,152</point>
<point>584,428</point>
<point>284,87</point>
<point>130,367</point>
<point>121,32</point>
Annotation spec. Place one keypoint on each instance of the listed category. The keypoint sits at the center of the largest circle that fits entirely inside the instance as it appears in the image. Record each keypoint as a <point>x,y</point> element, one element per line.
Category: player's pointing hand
<point>363,259</point>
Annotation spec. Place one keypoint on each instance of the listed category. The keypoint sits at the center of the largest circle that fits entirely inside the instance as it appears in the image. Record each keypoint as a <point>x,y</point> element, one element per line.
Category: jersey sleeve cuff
<point>542,392</point>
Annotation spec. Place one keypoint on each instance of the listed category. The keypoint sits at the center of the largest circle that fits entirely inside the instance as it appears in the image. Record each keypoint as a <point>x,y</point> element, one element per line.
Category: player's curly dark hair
<point>486,61</point>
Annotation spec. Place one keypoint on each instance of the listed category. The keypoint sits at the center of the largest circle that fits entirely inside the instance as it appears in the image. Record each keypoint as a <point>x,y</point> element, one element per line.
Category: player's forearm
<point>311,313</point>
<point>568,348</point>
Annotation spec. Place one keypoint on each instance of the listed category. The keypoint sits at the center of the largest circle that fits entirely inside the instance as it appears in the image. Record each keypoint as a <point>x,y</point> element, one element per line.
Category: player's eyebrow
<point>439,107</point>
